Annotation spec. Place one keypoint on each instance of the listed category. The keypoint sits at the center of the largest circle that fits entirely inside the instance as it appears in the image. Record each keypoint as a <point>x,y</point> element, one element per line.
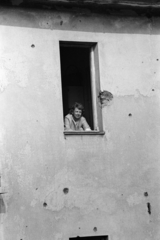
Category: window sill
<point>84,132</point>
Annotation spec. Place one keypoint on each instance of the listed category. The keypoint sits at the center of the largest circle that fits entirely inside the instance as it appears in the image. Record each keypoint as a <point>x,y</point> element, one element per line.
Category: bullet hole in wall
<point>95,229</point>
<point>37,188</point>
<point>130,115</point>
<point>44,204</point>
<point>33,46</point>
<point>149,208</point>
<point>146,194</point>
<point>66,190</point>
<point>157,59</point>
<point>153,90</point>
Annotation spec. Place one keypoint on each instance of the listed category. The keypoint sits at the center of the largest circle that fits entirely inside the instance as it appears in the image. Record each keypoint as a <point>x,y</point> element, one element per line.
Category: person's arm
<point>85,125</point>
<point>67,126</point>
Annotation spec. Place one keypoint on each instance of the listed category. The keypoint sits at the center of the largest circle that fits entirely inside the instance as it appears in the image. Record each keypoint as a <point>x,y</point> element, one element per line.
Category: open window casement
<point>80,80</point>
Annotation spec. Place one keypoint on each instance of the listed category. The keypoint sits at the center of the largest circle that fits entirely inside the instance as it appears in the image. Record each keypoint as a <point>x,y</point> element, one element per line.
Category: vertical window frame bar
<point>93,89</point>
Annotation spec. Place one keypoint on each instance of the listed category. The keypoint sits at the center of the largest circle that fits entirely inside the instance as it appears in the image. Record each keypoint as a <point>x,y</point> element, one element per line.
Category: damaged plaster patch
<point>46,23</point>
<point>50,22</point>
<point>87,199</point>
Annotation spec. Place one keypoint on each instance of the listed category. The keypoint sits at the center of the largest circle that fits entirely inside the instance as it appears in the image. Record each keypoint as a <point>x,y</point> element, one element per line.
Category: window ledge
<point>84,132</point>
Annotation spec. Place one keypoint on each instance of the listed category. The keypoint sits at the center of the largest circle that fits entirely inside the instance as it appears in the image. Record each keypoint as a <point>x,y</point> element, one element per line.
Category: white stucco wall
<point>110,178</point>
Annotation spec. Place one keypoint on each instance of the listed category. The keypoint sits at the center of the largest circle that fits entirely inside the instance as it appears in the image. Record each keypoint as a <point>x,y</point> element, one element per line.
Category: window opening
<point>80,83</point>
<point>104,237</point>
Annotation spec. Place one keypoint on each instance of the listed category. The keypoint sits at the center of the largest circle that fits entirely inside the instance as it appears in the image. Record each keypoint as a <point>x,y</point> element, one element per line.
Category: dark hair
<point>76,105</point>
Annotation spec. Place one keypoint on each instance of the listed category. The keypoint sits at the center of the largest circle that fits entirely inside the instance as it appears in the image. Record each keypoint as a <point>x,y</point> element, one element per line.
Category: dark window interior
<point>76,82</point>
<point>90,238</point>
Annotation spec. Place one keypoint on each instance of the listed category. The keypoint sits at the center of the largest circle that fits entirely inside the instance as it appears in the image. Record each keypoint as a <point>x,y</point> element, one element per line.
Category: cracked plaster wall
<point>55,187</point>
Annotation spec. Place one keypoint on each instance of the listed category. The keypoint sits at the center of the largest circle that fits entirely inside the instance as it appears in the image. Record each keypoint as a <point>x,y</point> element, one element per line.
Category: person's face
<point>77,113</point>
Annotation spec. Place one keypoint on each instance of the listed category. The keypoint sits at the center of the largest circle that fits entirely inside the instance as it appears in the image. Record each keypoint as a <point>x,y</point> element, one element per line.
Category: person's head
<point>77,110</point>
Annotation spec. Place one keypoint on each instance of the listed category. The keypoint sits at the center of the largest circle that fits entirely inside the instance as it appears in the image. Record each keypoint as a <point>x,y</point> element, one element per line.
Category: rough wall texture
<point>91,2</point>
<point>55,187</point>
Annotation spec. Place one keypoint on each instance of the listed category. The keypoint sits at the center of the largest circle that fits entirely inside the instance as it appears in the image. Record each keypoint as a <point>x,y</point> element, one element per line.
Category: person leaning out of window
<point>74,121</point>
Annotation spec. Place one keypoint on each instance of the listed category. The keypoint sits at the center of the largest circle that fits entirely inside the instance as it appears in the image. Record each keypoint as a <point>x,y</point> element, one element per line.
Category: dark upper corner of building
<point>111,7</point>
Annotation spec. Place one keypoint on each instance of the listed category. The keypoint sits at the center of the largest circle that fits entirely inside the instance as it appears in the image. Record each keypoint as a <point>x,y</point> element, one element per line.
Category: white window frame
<point>95,88</point>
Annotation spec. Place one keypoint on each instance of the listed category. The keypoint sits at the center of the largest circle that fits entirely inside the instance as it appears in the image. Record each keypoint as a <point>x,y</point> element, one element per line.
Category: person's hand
<point>88,129</point>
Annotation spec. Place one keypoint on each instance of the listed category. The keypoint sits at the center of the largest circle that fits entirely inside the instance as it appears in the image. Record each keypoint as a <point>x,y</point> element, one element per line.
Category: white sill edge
<point>84,132</point>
